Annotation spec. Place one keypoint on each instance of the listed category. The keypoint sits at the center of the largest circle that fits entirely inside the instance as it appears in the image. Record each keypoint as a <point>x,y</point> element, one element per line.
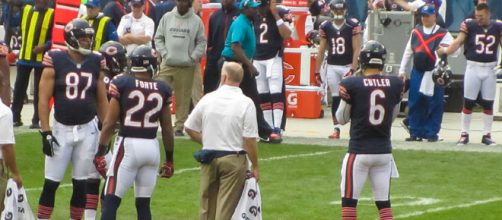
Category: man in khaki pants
<point>224,122</point>
<point>181,42</point>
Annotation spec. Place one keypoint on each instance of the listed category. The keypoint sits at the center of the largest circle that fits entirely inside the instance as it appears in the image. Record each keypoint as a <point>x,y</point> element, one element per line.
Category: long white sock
<point>278,113</point>
<point>269,118</point>
<point>90,214</point>
<point>487,122</point>
<point>465,121</point>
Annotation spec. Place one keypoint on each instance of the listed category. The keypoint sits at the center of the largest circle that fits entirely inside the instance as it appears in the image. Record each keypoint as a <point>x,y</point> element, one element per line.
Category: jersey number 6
<point>377,111</point>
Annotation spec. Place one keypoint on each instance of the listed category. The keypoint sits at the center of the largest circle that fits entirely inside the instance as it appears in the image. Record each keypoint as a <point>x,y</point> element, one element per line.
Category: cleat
<point>464,139</point>
<point>275,137</point>
<point>18,124</point>
<point>487,140</point>
<point>179,133</point>
<point>35,126</point>
<point>335,135</point>
<point>413,138</point>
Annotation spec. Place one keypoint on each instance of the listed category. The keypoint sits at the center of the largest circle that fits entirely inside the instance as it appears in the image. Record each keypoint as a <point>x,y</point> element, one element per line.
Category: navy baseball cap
<point>93,3</point>
<point>137,2</point>
<point>249,4</point>
<point>427,10</point>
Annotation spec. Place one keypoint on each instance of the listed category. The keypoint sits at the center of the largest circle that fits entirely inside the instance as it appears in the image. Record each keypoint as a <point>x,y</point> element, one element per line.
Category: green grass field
<point>302,182</point>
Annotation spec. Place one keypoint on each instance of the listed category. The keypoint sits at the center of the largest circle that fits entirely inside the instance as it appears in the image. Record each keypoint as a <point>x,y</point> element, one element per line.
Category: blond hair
<point>233,71</point>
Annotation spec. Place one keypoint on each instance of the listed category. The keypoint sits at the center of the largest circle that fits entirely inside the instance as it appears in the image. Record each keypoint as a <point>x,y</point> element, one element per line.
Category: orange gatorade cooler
<point>64,12</point>
<point>304,102</point>
<point>299,66</point>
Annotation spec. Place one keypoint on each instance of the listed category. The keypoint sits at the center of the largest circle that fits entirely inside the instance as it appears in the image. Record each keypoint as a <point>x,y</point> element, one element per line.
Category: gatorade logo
<point>292,99</point>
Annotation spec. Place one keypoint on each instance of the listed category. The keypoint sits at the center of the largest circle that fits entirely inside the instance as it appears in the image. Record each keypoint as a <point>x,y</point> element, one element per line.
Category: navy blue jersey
<point>269,42</point>
<point>481,44</point>
<point>340,51</point>
<point>141,103</point>
<point>75,88</point>
<point>373,99</point>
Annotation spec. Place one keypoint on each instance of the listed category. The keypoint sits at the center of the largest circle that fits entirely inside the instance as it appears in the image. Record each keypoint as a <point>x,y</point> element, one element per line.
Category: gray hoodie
<point>180,39</point>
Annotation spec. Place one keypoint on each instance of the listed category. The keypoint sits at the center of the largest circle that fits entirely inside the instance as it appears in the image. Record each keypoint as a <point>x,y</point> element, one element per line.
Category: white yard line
<point>185,170</point>
<point>446,208</point>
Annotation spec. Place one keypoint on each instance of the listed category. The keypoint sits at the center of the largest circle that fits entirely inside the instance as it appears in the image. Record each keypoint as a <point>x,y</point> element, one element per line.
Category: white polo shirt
<point>7,134</point>
<point>224,117</point>
<point>141,26</point>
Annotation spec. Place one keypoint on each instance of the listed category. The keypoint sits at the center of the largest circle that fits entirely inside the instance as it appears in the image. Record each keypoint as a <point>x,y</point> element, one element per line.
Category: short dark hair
<point>482,6</point>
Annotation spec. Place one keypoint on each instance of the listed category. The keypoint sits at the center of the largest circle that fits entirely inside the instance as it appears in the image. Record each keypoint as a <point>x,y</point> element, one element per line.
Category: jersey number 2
<point>146,123</point>
<point>263,29</point>
<point>377,111</point>
<point>72,81</point>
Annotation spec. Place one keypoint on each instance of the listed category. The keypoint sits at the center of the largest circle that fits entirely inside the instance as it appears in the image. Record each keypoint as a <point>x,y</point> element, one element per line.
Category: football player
<point>271,30</point>
<point>370,102</point>
<point>74,79</point>
<point>481,40</point>
<point>140,103</point>
<point>114,54</point>
<point>341,37</point>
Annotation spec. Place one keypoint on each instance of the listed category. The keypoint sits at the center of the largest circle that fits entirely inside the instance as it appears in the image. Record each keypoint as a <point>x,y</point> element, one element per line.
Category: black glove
<point>48,141</point>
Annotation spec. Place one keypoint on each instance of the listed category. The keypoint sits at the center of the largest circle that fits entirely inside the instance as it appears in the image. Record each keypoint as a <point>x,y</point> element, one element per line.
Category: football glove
<point>167,170</point>
<point>48,142</point>
<point>318,79</point>
<point>100,164</point>
<point>348,73</point>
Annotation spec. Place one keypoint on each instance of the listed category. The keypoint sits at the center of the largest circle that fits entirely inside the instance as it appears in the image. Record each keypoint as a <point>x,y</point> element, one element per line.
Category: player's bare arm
<point>101,99</point>
<point>194,135</point>
<point>457,43</point>
<point>112,116</point>
<point>241,56</point>
<point>356,47</point>
<point>167,132</point>
<point>252,151</point>
<point>136,39</point>
<point>320,53</point>
<point>44,95</point>
<point>9,157</point>
<point>284,30</point>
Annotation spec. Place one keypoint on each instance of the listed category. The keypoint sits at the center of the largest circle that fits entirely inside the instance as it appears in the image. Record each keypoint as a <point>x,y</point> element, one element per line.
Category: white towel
<point>427,85</point>
<point>249,206</point>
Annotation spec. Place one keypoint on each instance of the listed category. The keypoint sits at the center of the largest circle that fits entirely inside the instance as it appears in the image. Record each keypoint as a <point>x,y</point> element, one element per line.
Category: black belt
<point>231,60</point>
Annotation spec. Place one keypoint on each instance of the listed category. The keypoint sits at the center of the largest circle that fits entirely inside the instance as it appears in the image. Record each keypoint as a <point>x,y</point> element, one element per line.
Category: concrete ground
<point>316,131</point>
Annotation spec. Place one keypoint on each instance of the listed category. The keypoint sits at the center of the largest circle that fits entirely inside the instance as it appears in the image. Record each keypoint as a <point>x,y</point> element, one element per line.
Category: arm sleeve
<point>160,38</point>
<point>237,36</point>
<point>200,43</point>
<point>194,121</point>
<point>407,58</point>
<point>7,134</point>
<point>343,112</point>
<point>250,128</point>
<point>446,41</point>
<point>121,27</point>
<point>150,28</point>
<point>112,31</point>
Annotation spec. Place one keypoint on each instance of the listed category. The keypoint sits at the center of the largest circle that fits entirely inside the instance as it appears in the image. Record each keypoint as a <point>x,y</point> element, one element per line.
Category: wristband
<point>279,22</point>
